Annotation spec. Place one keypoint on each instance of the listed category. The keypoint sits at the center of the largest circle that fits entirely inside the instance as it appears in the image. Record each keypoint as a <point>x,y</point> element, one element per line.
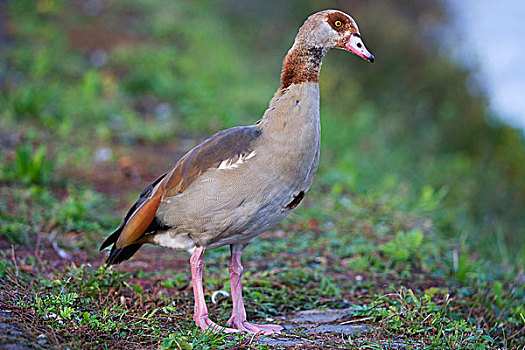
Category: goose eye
<point>338,23</point>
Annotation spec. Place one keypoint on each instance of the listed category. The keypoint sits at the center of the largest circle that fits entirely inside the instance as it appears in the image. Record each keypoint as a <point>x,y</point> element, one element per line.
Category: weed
<point>5,265</point>
<point>175,281</point>
<point>405,314</point>
<point>403,247</point>
<point>56,306</point>
<point>28,167</point>
<point>200,339</point>
<point>37,208</point>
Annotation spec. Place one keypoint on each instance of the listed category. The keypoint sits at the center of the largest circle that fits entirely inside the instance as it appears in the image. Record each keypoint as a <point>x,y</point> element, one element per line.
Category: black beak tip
<point>371,59</point>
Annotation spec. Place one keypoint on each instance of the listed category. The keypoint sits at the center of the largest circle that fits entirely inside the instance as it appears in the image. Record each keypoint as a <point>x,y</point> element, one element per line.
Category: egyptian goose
<point>242,181</point>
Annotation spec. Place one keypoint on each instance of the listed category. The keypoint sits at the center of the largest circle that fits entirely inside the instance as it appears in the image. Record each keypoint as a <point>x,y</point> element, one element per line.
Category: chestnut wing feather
<point>140,219</point>
<point>138,204</point>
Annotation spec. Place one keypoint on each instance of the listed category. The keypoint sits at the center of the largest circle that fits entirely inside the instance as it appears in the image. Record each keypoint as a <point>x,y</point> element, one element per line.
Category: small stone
<point>92,7</point>
<point>281,341</point>
<point>103,154</point>
<point>163,111</point>
<point>320,316</point>
<point>98,58</point>
<point>341,329</point>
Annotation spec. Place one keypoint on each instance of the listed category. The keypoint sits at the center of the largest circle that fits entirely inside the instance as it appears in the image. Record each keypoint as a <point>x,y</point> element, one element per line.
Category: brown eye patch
<point>338,21</point>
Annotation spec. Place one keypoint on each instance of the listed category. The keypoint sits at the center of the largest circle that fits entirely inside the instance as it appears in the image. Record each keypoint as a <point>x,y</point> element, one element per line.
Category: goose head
<point>332,29</point>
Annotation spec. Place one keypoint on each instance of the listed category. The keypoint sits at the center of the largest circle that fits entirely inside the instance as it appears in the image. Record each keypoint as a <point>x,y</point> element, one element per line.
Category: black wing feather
<point>118,255</point>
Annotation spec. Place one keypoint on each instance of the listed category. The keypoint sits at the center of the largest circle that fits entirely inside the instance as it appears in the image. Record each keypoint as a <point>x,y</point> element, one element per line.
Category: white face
<point>356,46</point>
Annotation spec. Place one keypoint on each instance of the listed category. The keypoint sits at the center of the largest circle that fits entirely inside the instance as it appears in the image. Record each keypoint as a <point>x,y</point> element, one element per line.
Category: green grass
<point>415,300</point>
<point>412,222</point>
<point>28,167</point>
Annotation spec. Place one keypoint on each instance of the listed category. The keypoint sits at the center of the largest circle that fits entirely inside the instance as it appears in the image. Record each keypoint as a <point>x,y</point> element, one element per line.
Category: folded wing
<point>226,146</point>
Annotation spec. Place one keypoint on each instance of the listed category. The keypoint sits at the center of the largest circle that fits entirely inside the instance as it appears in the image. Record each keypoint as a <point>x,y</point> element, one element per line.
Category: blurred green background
<point>89,82</point>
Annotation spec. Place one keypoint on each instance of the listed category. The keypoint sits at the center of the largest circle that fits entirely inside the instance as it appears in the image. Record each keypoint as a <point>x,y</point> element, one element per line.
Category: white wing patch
<point>236,161</point>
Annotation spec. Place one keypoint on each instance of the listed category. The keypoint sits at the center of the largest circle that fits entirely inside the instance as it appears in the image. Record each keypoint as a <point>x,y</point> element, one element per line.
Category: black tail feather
<point>112,238</point>
<point>116,256</point>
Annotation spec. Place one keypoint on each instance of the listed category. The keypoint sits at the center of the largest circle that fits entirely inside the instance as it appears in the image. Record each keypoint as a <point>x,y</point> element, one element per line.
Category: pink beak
<point>356,46</point>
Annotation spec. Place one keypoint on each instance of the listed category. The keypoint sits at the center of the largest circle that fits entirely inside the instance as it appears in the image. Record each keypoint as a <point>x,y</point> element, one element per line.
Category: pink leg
<point>201,311</point>
<point>238,318</point>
